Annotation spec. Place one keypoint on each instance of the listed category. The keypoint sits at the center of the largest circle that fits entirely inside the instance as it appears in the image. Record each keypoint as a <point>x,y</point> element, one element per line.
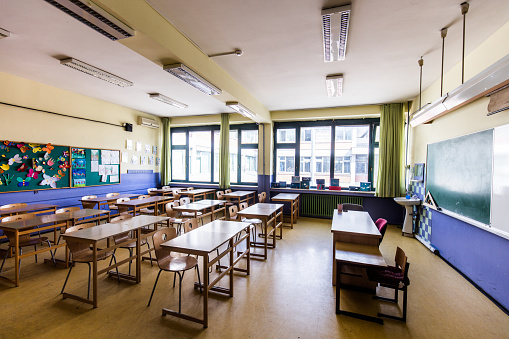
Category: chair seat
<point>390,276</point>
<point>252,221</point>
<point>33,241</point>
<point>175,264</point>
<point>190,214</point>
<point>113,207</point>
<point>89,256</point>
<point>133,244</point>
<point>146,210</point>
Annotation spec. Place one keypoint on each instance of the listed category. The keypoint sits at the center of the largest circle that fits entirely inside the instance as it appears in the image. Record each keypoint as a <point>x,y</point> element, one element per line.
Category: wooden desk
<point>354,227</point>
<point>104,201</point>
<point>95,234</point>
<point>240,196</point>
<point>269,214</point>
<point>294,200</point>
<point>13,229</point>
<point>203,241</point>
<point>167,191</point>
<point>37,208</point>
<point>137,204</point>
<point>194,194</point>
<point>356,255</point>
<point>202,206</point>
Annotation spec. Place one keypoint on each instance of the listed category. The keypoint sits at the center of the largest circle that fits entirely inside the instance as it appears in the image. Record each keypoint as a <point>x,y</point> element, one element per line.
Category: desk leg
<point>16,258</point>
<point>231,266</point>
<point>205,291</point>
<point>138,255</point>
<point>94,279</point>
<point>291,216</point>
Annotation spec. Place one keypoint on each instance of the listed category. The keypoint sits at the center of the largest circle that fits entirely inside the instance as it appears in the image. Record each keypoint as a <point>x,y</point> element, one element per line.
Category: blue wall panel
<point>480,255</point>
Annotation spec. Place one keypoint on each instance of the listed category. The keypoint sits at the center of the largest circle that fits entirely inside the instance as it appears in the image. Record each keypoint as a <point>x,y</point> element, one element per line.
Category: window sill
<point>329,192</point>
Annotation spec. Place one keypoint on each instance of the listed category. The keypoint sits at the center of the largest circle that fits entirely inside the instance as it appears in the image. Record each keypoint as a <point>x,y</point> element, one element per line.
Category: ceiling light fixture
<point>96,72</point>
<point>4,33</point>
<point>241,109</point>
<point>166,100</point>
<point>334,85</point>
<point>187,75</point>
<point>94,17</point>
<point>335,32</point>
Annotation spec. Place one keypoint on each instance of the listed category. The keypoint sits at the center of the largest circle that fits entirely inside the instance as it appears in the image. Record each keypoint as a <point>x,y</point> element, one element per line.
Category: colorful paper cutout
<point>51,181</point>
<point>48,148</point>
<point>14,159</point>
<point>23,168</point>
<point>33,174</point>
<point>23,181</point>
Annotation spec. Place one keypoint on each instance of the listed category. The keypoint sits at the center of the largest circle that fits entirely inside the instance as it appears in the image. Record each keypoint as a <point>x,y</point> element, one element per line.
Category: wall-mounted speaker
<point>128,127</point>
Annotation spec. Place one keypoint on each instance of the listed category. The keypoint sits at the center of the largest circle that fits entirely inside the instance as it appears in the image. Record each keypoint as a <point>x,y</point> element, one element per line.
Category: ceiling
<point>282,65</point>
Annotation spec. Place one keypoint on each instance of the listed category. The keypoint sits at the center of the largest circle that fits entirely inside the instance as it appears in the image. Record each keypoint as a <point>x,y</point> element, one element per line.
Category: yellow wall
<point>354,112</point>
<point>18,124</point>
<point>470,118</point>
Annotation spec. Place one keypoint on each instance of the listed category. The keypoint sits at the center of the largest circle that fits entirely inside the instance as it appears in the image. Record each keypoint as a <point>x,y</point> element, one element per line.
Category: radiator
<point>322,205</point>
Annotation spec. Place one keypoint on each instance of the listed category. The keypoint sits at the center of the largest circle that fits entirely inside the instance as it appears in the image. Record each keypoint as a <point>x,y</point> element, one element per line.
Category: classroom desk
<point>356,255</point>
<point>240,196</point>
<point>294,200</point>
<point>354,227</point>
<point>194,194</point>
<point>166,191</point>
<point>202,206</point>
<point>104,201</point>
<point>269,214</point>
<point>105,231</point>
<point>13,229</point>
<point>203,241</point>
<point>33,208</point>
<point>137,204</point>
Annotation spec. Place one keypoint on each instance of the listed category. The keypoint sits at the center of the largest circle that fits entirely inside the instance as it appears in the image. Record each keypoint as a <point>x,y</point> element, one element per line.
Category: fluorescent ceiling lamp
<point>94,17</point>
<point>429,112</point>
<point>96,72</point>
<point>335,32</point>
<point>187,75</point>
<point>4,33</point>
<point>166,100</point>
<point>241,109</point>
<point>334,85</point>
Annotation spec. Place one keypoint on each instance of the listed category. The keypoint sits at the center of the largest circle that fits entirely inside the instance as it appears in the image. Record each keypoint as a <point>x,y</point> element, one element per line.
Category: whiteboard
<point>500,188</point>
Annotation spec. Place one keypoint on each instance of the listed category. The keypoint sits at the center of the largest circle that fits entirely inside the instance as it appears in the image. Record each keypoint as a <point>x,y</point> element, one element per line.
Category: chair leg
<point>5,257</point>
<point>89,274</point>
<point>35,249</point>
<point>150,255</point>
<point>180,290</point>
<point>116,268</point>
<point>154,288</point>
<point>52,255</point>
<point>130,262</point>
<point>174,276</point>
<point>68,274</point>
<point>199,280</point>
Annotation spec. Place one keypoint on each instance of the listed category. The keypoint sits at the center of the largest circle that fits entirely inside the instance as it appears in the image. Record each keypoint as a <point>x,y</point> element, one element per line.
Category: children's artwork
<point>114,178</point>
<point>78,163</point>
<point>114,170</point>
<point>138,146</point>
<point>104,178</point>
<point>105,157</point>
<point>143,160</point>
<point>102,170</point>
<point>147,148</point>
<point>79,182</point>
<point>94,155</point>
<point>154,149</point>
<point>48,180</point>
<point>77,153</point>
<point>79,173</point>
<point>129,144</point>
<point>125,157</point>
<point>23,181</point>
<point>134,160</point>
<point>151,160</point>
<point>114,157</point>
<point>94,166</point>
<point>158,161</point>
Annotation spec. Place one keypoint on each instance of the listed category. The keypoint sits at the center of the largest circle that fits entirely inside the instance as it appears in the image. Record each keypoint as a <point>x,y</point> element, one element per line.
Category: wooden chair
<point>65,210</point>
<point>381,224</point>
<point>150,190</point>
<point>146,210</point>
<point>25,240</point>
<point>122,209</point>
<point>352,207</point>
<point>261,197</point>
<point>190,188</point>
<point>394,277</point>
<point>166,262</point>
<point>220,196</point>
<point>229,190</point>
<point>11,206</point>
<point>123,237</point>
<point>88,204</point>
<point>254,222</point>
<point>165,187</point>
<point>189,215</point>
<point>172,214</point>
<point>82,253</point>
<point>232,210</point>
<point>112,207</point>
<point>190,225</point>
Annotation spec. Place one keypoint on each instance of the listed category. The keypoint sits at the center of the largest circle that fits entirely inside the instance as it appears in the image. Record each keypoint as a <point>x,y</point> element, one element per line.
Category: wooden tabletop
<point>51,218</point>
<point>103,199</point>
<point>210,202</point>
<point>199,191</point>
<point>28,208</point>
<point>354,222</point>
<point>260,209</point>
<point>238,194</point>
<point>192,207</point>
<point>105,231</point>
<point>136,202</point>
<point>285,196</point>
<point>166,190</point>
<point>359,254</point>
<point>207,238</point>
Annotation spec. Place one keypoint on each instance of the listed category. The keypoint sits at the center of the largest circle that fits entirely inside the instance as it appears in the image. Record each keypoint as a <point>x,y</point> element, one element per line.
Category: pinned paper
<point>104,178</point>
<point>158,161</point>
<point>134,160</point>
<point>105,157</point>
<point>138,146</point>
<point>48,148</point>
<point>154,149</point>
<point>128,144</point>
<point>147,148</point>
<point>114,170</point>
<point>151,160</point>
<point>114,157</point>
<point>114,178</point>
<point>94,166</point>
<point>94,155</point>
<point>23,181</point>
<point>143,160</point>
<point>125,157</point>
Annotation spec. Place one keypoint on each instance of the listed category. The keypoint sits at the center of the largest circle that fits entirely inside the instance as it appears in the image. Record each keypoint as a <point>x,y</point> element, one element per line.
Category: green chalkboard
<point>94,167</point>
<point>28,166</point>
<point>459,174</point>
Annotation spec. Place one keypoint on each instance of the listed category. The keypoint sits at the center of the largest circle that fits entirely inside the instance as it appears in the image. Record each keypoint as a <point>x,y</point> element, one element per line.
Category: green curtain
<point>224,151</point>
<point>166,153</point>
<point>390,169</point>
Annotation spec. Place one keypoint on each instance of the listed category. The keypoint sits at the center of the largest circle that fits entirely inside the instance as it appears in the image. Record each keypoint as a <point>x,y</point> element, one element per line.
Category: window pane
<point>178,138</point>
<point>178,164</point>
<point>234,144</point>
<point>286,135</point>
<point>249,165</point>
<point>315,145</point>
<point>352,150</point>
<point>200,156</point>
<point>285,165</point>
<point>216,156</point>
<point>249,136</point>
<point>377,133</point>
<point>375,166</point>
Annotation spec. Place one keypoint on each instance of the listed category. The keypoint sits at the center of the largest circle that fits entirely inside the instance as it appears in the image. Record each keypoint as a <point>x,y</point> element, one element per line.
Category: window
<point>343,149</point>
<point>195,154</point>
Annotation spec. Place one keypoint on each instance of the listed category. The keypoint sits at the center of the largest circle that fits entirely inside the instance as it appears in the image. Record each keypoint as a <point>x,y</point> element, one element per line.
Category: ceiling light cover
<point>334,85</point>
<point>96,72</point>
<point>166,100</point>
<point>241,109</point>
<point>335,32</point>
<point>187,75</point>
<point>4,33</point>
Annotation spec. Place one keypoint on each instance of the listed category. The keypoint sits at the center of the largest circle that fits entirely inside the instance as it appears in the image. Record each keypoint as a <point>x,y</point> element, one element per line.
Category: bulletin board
<point>29,166</point>
<point>94,167</point>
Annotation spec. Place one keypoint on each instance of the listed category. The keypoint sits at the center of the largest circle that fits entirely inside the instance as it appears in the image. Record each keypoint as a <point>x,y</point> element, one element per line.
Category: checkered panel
<point>425,223</point>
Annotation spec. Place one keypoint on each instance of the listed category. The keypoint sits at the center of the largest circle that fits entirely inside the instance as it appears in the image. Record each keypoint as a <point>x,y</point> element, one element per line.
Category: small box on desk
<point>365,186</point>
<point>295,185</point>
<point>274,185</point>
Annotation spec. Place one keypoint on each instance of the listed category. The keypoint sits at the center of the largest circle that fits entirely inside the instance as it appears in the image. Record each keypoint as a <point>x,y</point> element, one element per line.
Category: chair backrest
<point>170,212</point>
<point>144,196</point>
<point>122,209</point>
<point>78,248</point>
<point>184,201</point>
<point>220,195</point>
<point>352,207</point>
<point>165,187</point>
<point>163,235</point>
<point>18,217</point>
<point>123,199</point>
<point>120,218</point>
<point>176,196</point>
<point>190,225</point>
<point>261,197</point>
<point>381,224</point>
<point>79,227</point>
<point>110,195</point>
<point>67,209</point>
<point>87,197</point>
<point>190,188</point>
<point>229,190</point>
<point>176,203</point>
<point>150,190</point>
<point>401,260</point>
<point>242,205</point>
<point>10,206</point>
<point>88,205</point>
<point>233,212</point>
